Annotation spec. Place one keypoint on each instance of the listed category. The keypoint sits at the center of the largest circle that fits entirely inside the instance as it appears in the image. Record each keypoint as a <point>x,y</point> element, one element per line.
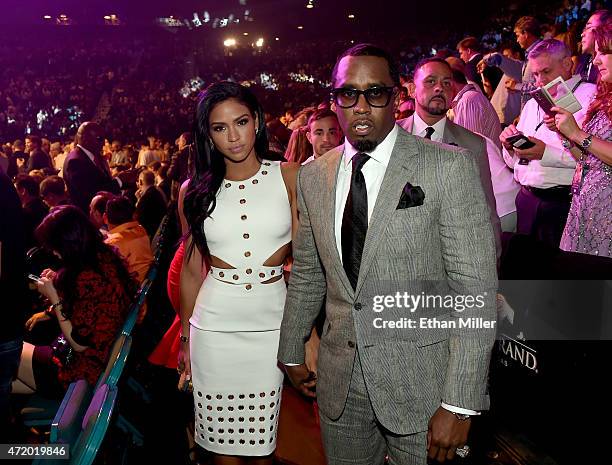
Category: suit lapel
<point>396,176</point>
<point>407,124</point>
<point>450,136</point>
<point>333,161</point>
<point>93,163</point>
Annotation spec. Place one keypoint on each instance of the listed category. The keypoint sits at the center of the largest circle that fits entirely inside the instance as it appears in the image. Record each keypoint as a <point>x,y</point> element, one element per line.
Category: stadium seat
<point>94,426</point>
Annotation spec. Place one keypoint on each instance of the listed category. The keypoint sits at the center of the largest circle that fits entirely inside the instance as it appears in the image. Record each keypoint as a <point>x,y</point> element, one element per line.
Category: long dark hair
<point>200,198</point>
<point>69,232</point>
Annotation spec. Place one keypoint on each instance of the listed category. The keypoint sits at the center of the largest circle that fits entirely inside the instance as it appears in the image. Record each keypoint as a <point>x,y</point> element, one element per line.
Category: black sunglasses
<point>377,97</point>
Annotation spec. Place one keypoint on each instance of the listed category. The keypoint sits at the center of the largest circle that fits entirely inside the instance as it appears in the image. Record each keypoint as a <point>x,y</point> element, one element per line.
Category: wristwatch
<point>566,143</point>
<point>586,142</point>
<point>462,416</point>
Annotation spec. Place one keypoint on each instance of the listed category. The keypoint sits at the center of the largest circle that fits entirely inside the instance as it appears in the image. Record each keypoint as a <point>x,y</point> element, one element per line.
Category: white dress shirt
<point>556,168</point>
<point>505,187</point>
<point>309,159</point>
<point>419,128</point>
<point>374,172</point>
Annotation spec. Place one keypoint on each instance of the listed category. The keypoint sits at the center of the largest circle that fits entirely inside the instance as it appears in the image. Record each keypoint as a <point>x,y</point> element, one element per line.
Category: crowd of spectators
<point>142,95</point>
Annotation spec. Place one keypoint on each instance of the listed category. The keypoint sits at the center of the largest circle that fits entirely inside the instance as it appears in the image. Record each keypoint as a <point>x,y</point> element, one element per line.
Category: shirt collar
<point>382,152</point>
<point>419,126</point>
<point>571,82</point>
<point>530,48</point>
<point>469,86</point>
<point>123,227</point>
<point>87,152</point>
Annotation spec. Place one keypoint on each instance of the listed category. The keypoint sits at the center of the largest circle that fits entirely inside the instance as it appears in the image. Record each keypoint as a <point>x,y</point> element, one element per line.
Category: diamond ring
<point>463,451</point>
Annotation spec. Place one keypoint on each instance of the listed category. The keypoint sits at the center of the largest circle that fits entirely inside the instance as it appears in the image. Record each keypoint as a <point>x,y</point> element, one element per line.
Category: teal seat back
<point>130,321</point>
<point>116,361</point>
<point>67,424</point>
<point>94,425</point>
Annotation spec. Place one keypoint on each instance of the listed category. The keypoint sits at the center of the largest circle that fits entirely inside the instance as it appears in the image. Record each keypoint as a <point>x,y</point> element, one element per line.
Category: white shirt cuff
<point>292,364</point>
<point>463,411</point>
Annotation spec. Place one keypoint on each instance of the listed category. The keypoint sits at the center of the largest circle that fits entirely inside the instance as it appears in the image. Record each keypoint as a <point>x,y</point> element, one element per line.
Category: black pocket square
<point>412,196</point>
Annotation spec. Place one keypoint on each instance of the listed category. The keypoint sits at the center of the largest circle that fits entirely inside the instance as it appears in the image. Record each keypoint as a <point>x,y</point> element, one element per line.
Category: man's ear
<point>411,86</point>
<point>332,107</point>
<point>308,137</point>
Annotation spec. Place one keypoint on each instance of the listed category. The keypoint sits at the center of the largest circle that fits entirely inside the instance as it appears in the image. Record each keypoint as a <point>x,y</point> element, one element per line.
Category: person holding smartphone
<point>536,154</point>
<point>89,295</point>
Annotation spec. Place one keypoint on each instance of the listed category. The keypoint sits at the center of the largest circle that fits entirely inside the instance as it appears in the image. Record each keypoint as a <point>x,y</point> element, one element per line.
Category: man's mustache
<point>441,97</point>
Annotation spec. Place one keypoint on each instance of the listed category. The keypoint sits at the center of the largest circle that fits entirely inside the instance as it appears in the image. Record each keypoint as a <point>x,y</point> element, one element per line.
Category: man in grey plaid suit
<point>384,214</point>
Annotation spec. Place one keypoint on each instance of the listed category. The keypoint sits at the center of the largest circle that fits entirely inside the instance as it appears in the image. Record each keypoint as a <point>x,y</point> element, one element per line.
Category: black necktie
<point>429,132</point>
<point>355,220</point>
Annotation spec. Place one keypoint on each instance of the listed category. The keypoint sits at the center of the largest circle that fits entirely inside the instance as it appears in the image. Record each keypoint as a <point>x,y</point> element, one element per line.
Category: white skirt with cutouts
<point>237,390</point>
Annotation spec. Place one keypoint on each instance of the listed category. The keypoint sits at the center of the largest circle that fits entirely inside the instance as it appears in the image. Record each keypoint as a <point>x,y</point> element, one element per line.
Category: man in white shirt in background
<point>527,32</point>
<point>545,171</point>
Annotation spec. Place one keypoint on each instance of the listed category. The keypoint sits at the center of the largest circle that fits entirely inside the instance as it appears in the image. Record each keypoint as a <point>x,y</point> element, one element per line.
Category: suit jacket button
<point>357,306</point>
<point>351,344</point>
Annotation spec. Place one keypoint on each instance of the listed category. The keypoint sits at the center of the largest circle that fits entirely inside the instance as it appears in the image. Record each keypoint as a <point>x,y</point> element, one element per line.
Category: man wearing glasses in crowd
<point>388,212</point>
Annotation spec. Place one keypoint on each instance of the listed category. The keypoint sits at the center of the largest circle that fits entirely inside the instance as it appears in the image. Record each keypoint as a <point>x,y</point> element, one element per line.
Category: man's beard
<point>436,111</point>
<point>365,145</point>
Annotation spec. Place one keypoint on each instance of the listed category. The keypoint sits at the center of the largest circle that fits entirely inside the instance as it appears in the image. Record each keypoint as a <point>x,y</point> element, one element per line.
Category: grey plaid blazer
<point>446,243</point>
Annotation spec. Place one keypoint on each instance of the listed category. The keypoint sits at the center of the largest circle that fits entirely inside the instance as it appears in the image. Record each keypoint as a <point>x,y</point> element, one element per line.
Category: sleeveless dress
<point>589,222</point>
<point>236,319</point>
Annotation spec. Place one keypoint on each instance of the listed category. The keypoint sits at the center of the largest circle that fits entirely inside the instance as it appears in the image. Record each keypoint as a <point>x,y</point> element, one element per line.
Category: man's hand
<point>312,351</point>
<point>481,66</point>
<point>445,434</point>
<point>511,85</point>
<point>302,379</point>
<point>508,132</point>
<point>534,153</point>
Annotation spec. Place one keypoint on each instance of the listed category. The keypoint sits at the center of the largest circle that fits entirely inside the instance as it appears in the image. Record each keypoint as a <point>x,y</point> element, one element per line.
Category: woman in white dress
<point>240,209</point>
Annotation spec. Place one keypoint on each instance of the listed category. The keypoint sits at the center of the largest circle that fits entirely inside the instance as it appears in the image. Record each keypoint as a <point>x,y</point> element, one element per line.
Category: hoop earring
<point>256,131</point>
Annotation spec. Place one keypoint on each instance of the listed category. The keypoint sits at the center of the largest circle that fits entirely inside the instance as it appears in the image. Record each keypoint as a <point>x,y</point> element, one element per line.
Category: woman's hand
<point>565,123</point>
<point>549,121</point>
<point>35,319</point>
<point>45,285</point>
<point>184,365</point>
